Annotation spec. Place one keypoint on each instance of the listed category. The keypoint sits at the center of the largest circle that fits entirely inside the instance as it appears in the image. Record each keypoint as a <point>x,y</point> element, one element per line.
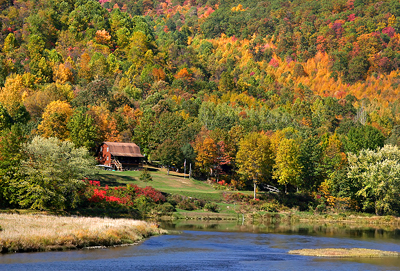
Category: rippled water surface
<point>224,247</point>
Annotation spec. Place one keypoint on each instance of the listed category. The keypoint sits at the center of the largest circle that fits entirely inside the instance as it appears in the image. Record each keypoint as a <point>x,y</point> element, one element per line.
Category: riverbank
<point>29,233</point>
<point>346,217</point>
<point>288,217</point>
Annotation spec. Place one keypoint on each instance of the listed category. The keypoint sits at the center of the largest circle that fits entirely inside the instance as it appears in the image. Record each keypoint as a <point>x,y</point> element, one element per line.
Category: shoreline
<point>274,217</point>
<point>37,233</point>
<point>280,216</point>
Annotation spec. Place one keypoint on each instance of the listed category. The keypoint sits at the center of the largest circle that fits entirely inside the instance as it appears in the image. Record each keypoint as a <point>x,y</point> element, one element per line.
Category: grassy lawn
<point>174,183</point>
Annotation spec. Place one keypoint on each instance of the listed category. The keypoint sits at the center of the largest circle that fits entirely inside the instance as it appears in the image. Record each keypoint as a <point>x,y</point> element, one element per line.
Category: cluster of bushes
<point>145,201</point>
<point>239,198</point>
<point>265,202</point>
<point>222,185</point>
<point>186,203</point>
<point>145,176</point>
<point>271,206</point>
<point>211,207</point>
<point>190,204</point>
<point>142,201</point>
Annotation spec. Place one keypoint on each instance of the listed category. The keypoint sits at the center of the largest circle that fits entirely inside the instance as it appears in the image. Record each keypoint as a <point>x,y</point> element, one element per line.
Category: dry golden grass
<point>42,233</point>
<point>345,252</point>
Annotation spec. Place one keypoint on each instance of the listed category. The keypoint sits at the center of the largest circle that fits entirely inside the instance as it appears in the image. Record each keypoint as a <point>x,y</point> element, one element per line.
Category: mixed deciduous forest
<point>301,95</point>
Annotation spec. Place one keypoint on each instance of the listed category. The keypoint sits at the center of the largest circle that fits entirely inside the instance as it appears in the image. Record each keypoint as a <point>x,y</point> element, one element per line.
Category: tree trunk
<point>377,212</point>
<point>255,186</point>
<point>167,170</point>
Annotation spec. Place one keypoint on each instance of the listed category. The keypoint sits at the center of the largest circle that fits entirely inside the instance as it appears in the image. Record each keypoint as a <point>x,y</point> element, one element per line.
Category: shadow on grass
<point>113,180</point>
<point>172,174</point>
<point>152,169</point>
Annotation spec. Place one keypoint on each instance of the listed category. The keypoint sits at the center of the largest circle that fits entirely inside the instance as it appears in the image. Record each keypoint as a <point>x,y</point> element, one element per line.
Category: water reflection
<point>351,230</point>
<point>226,246</point>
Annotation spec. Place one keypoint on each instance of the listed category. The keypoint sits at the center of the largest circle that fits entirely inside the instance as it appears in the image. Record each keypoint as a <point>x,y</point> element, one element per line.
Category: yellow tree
<point>131,116</point>
<point>139,53</point>
<point>334,157</point>
<point>255,158</point>
<point>37,102</point>
<point>103,37</point>
<point>287,168</point>
<point>63,74</point>
<point>113,65</point>
<point>106,122</point>
<point>55,119</point>
<point>235,135</point>
<point>84,67</point>
<point>14,92</point>
<point>206,150</point>
<point>9,45</point>
<point>277,136</point>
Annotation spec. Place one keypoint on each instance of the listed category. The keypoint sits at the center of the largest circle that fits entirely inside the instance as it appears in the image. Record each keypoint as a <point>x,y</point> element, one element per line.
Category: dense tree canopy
<point>291,86</point>
<point>53,171</point>
<point>377,174</point>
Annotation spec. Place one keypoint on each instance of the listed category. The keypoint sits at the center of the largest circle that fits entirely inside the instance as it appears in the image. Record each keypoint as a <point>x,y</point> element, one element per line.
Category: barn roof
<point>124,149</point>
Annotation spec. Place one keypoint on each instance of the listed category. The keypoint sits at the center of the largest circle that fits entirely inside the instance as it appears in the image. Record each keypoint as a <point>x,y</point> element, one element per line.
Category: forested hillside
<point>295,94</point>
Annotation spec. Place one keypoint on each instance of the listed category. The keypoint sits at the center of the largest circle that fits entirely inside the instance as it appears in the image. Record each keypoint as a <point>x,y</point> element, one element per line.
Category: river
<point>225,246</point>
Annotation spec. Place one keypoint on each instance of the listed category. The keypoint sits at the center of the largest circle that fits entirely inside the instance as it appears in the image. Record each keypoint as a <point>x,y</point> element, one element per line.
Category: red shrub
<point>120,195</point>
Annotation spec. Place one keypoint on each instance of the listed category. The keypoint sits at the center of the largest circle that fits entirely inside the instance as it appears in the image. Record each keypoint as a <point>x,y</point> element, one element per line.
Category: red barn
<point>119,155</point>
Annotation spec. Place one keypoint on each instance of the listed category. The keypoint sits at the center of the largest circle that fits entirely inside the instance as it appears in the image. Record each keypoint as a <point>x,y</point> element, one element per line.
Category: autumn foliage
<point>249,92</point>
<point>125,196</point>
